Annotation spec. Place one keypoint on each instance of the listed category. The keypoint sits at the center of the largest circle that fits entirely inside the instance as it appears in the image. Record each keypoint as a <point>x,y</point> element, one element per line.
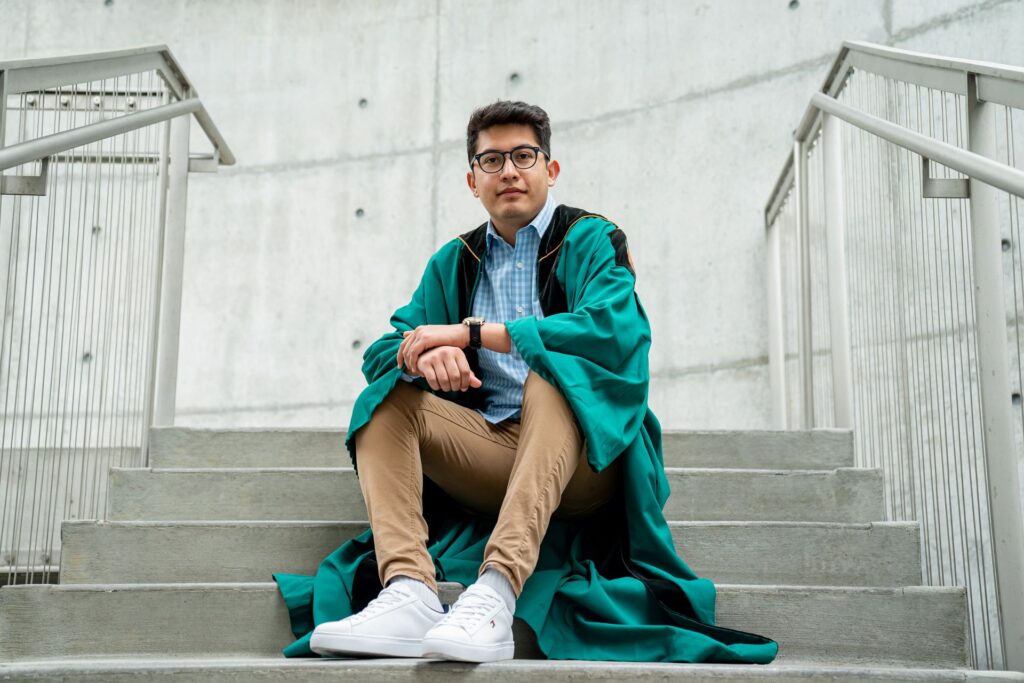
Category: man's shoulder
<point>588,233</point>
<point>580,228</point>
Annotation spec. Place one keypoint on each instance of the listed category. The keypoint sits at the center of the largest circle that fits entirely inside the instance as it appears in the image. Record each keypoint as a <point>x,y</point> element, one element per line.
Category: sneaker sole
<point>331,644</point>
<point>441,648</point>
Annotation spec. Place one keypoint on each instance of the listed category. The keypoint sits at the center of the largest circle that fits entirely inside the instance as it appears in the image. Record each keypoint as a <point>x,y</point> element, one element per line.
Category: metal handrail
<point>126,271</point>
<point>995,173</point>
<point>27,75</point>
<point>32,150</point>
<point>996,83</point>
<point>982,85</point>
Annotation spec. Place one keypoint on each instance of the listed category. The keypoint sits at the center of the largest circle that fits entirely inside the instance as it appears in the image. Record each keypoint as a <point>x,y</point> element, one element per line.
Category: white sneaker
<point>391,625</point>
<point>478,628</point>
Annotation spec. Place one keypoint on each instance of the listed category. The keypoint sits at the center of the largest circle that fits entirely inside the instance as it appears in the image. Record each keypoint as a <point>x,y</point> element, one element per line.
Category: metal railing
<point>94,163</point>
<point>896,294</point>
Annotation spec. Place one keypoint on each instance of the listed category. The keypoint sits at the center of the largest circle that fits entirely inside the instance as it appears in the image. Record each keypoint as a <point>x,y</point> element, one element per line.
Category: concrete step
<point>783,553</point>
<point>391,670</point>
<point>910,626</point>
<point>333,494</point>
<point>187,447</point>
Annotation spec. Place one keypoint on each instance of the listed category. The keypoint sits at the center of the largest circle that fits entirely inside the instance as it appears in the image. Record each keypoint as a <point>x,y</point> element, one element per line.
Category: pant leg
<point>550,475</point>
<point>413,434</point>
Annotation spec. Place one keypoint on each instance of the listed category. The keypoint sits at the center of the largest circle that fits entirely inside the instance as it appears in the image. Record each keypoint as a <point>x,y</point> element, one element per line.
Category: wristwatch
<point>474,323</point>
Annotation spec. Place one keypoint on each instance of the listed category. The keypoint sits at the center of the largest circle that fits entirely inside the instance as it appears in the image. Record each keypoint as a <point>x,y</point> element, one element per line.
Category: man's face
<point>512,196</point>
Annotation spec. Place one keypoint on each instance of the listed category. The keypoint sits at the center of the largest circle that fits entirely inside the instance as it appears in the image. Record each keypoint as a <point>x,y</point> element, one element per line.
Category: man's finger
<point>465,373</point>
<point>428,374</point>
<point>401,352</point>
<point>454,374</point>
<point>416,365</point>
<point>442,375</point>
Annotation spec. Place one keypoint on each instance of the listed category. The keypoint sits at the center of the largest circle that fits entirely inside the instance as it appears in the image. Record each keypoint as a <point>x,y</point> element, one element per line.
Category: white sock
<point>496,580</point>
<point>421,589</point>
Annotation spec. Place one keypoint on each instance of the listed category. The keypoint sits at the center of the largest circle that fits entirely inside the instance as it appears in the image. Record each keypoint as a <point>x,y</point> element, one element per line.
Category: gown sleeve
<point>596,352</point>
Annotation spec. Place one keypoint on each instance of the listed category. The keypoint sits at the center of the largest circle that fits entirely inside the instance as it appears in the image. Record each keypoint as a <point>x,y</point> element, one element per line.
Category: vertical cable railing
<point>790,292</point>
<point>903,243</point>
<point>83,235</point>
<point>913,341</point>
<point>821,335</point>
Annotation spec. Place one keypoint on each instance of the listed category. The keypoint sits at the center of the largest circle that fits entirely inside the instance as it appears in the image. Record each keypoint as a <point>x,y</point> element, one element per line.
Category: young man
<point>514,391</point>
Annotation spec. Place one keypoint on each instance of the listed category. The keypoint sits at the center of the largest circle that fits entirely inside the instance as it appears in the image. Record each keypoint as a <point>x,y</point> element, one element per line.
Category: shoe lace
<point>470,607</point>
<point>387,597</point>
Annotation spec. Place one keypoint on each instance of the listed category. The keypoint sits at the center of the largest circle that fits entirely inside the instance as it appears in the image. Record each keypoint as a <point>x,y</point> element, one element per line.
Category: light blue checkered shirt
<point>508,291</point>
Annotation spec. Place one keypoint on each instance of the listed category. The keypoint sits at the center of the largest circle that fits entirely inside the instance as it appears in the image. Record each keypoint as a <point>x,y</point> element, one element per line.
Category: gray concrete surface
<point>202,447</point>
<point>897,626</point>
<point>671,118</point>
<point>333,494</point>
<point>265,669</point>
<point>757,553</point>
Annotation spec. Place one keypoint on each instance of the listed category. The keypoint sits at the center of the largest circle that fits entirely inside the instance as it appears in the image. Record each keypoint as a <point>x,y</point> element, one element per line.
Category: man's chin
<point>513,212</point>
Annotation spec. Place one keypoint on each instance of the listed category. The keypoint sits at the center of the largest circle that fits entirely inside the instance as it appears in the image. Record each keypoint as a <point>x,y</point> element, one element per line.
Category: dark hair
<point>505,111</point>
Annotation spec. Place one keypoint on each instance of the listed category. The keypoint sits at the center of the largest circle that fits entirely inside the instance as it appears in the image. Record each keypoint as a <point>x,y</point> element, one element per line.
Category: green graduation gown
<point>610,587</point>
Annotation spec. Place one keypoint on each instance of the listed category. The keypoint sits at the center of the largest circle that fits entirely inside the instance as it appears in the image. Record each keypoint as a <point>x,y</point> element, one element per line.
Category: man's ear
<point>553,170</point>
<point>471,181</point>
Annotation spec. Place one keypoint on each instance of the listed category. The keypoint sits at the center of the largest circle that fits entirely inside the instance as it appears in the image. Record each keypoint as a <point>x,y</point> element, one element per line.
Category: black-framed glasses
<point>492,161</point>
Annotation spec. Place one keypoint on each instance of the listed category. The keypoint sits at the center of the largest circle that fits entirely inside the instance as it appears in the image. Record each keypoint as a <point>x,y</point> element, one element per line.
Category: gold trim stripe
<point>468,248</point>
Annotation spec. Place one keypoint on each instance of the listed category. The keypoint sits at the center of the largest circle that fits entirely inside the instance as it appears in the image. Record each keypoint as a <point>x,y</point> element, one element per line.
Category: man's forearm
<point>494,336</point>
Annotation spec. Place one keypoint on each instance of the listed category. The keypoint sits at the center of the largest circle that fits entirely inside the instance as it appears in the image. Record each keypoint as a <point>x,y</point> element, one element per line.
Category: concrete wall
<point>348,119</point>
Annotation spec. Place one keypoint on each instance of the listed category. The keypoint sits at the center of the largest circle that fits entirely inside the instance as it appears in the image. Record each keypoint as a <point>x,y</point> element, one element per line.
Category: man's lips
<point>512,192</point>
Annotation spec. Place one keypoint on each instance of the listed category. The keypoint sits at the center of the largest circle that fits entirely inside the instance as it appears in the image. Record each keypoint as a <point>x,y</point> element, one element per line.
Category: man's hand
<point>446,368</point>
<point>426,337</point>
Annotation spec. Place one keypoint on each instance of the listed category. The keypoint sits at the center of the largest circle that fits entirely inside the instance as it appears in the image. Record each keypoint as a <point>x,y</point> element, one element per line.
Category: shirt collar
<point>539,223</point>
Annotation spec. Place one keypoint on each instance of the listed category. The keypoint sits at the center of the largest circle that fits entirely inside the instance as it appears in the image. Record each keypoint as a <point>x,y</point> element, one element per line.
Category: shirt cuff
<point>407,377</point>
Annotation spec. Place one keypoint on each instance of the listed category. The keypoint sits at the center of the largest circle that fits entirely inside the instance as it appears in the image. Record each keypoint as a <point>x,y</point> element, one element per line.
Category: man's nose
<point>508,169</point>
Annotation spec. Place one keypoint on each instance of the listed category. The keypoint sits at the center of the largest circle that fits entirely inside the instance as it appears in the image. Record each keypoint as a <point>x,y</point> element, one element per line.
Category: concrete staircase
<point>177,581</point>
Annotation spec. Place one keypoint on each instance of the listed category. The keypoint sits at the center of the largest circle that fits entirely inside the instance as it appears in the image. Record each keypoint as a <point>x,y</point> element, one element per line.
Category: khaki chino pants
<point>524,472</point>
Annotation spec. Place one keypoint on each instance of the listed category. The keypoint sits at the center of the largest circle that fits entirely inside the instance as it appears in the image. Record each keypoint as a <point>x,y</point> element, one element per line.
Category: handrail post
<point>1004,497</point>
<point>172,260</point>
<point>776,330</point>
<point>804,263</point>
<point>835,240</point>
<point>3,108</point>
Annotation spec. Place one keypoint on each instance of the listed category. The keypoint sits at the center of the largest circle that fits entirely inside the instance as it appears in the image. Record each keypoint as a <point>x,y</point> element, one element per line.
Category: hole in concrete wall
<point>1016,399</point>
<point>513,77</point>
<point>363,102</point>
<point>356,344</point>
<point>108,3</point>
<point>793,4</point>
<point>1006,245</point>
<point>359,213</point>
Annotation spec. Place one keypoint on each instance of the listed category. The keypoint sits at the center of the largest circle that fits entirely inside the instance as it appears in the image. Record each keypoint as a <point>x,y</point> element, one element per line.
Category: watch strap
<point>474,335</point>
